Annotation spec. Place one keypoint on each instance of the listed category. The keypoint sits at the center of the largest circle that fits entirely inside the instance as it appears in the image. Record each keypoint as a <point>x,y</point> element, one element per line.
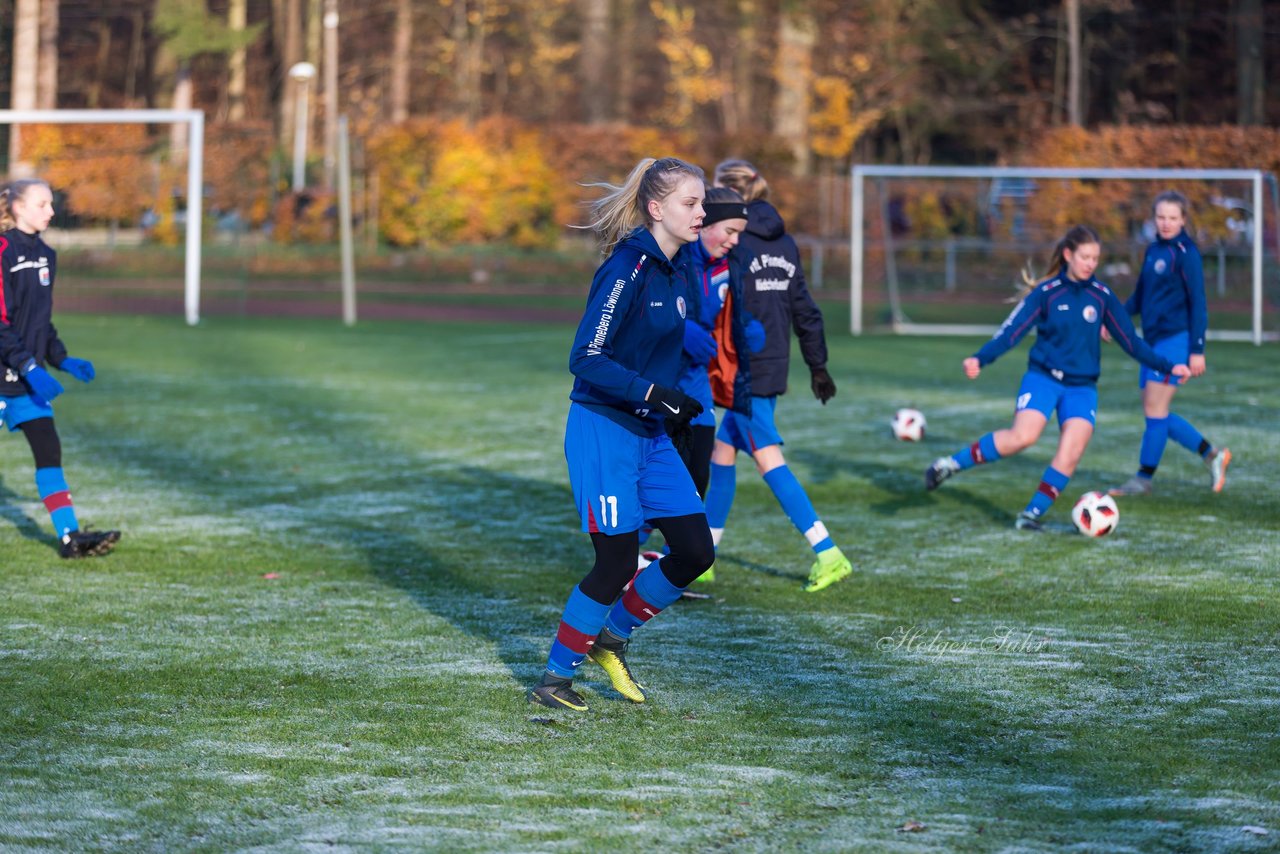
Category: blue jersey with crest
<point>1068,317</point>
<point>1170,292</point>
<point>632,333</point>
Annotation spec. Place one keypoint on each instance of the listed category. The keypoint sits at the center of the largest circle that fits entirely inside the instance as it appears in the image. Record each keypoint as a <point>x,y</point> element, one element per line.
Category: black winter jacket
<point>27,269</point>
<point>776,294</point>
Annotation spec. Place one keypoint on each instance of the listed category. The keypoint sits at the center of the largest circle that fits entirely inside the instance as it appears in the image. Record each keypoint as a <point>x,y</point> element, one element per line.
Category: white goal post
<point>194,119</point>
<point>861,172</point>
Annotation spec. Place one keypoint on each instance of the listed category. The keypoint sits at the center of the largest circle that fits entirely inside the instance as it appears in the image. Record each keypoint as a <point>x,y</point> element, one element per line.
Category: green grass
<point>345,553</point>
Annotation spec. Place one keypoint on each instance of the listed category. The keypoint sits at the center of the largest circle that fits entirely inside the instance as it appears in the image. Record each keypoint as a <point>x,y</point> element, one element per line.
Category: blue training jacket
<point>1068,317</point>
<point>1170,292</point>
<point>632,332</point>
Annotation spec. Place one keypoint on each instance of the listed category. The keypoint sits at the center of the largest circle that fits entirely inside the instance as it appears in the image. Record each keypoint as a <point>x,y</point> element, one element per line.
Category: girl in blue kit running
<point>623,468</point>
<point>28,342</point>
<point>1067,310</point>
<point>1170,299</point>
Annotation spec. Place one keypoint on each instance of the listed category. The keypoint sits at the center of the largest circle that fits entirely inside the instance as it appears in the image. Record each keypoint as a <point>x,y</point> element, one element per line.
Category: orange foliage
<point>104,169</point>
<point>444,182</point>
<point>1112,207</point>
<point>237,169</point>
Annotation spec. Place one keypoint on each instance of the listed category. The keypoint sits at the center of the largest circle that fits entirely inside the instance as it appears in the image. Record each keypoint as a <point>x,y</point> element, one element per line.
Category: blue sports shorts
<point>18,410</point>
<point>751,432</point>
<point>619,479</point>
<point>1044,394</point>
<point>1177,349</point>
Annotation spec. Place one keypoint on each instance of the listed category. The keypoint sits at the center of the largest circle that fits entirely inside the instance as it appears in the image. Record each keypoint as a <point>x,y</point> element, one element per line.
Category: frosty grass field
<point>345,553</point>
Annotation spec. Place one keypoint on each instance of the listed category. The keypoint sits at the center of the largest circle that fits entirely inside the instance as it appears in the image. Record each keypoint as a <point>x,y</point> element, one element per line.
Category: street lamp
<point>301,73</point>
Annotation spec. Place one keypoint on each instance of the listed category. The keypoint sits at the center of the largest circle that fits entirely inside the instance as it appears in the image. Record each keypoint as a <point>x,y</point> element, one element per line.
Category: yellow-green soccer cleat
<point>830,567</point>
<point>709,575</point>
<point>556,692</point>
<point>610,652</point>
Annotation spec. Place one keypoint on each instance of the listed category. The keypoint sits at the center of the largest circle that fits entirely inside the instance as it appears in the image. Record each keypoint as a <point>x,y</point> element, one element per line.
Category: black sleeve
<point>806,319</point>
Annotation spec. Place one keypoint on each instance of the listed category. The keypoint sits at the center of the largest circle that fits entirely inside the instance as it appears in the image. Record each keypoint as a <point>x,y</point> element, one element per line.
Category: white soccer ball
<point>1095,514</point>
<point>908,425</point>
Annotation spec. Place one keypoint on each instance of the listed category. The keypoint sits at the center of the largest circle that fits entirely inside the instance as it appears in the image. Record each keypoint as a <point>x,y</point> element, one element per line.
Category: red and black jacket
<point>27,271</point>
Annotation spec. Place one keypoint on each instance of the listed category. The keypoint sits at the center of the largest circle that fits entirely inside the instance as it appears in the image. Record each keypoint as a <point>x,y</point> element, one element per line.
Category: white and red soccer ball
<point>1095,514</point>
<point>908,425</point>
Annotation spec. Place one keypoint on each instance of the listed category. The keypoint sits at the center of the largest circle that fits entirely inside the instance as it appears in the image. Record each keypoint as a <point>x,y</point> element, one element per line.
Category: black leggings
<point>691,554</point>
<point>698,457</point>
<point>46,447</point>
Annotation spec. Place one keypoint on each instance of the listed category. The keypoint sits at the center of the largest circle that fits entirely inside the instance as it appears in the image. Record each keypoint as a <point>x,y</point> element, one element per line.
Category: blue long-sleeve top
<point>1169,295</point>
<point>1068,317</point>
<point>632,333</point>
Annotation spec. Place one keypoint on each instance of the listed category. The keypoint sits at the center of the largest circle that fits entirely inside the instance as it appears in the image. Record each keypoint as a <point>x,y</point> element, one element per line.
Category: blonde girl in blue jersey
<point>623,467</point>
<point>1170,299</point>
<point>1068,311</point>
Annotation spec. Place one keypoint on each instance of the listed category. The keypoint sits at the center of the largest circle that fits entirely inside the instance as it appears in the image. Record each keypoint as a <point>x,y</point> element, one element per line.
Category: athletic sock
<point>799,509</point>
<point>720,491</point>
<point>981,451</point>
<point>647,596</point>
<point>579,625</point>
<point>1154,438</point>
<point>51,483</point>
<point>1182,432</point>
<point>1052,482</point>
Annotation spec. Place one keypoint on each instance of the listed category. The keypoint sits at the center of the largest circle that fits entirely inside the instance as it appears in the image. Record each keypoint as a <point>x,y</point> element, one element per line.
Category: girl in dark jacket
<point>775,292</point>
<point>28,342</point>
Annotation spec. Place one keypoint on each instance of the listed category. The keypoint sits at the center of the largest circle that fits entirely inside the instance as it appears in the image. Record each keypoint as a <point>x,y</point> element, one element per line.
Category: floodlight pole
<point>301,73</point>
<point>344,225</point>
<point>195,171</point>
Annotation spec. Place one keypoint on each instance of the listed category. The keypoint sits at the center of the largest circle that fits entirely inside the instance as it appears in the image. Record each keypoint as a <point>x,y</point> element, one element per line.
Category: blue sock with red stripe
<point>1181,431</point>
<point>1051,485</point>
<point>1154,438</point>
<point>51,483</point>
<point>981,451</point>
<point>799,509</point>
<point>579,625</point>
<point>647,596</point>
<point>719,500</point>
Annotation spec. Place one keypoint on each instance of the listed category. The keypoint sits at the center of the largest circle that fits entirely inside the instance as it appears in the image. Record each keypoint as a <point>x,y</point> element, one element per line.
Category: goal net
<point>111,176</point>
<point>942,250</point>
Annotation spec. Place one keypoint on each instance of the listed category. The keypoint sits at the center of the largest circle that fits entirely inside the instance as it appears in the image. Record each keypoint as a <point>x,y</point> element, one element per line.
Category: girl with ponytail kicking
<point>1068,311</point>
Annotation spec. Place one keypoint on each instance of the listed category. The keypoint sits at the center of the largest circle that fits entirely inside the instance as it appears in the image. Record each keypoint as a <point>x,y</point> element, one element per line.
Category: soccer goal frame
<point>861,172</point>
<point>194,120</point>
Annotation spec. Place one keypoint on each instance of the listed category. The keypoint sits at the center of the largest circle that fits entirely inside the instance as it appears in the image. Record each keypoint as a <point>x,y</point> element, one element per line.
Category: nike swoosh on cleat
<point>675,410</point>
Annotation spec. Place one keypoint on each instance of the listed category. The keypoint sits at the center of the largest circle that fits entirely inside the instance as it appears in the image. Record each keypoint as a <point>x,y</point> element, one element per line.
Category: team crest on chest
<point>45,279</point>
<point>1159,266</point>
<point>1090,314</point>
<point>680,306</point>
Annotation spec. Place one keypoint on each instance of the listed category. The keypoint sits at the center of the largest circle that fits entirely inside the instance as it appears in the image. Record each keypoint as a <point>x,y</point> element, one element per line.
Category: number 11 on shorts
<point>609,511</point>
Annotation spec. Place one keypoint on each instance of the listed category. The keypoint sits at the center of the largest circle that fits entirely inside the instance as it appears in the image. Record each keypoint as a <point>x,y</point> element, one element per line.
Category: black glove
<point>681,433</point>
<point>676,406</point>
<point>824,388</point>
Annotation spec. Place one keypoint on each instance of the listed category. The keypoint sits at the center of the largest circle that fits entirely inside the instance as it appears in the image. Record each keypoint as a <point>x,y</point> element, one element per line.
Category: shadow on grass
<point>905,488</point>
<point>24,524</point>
